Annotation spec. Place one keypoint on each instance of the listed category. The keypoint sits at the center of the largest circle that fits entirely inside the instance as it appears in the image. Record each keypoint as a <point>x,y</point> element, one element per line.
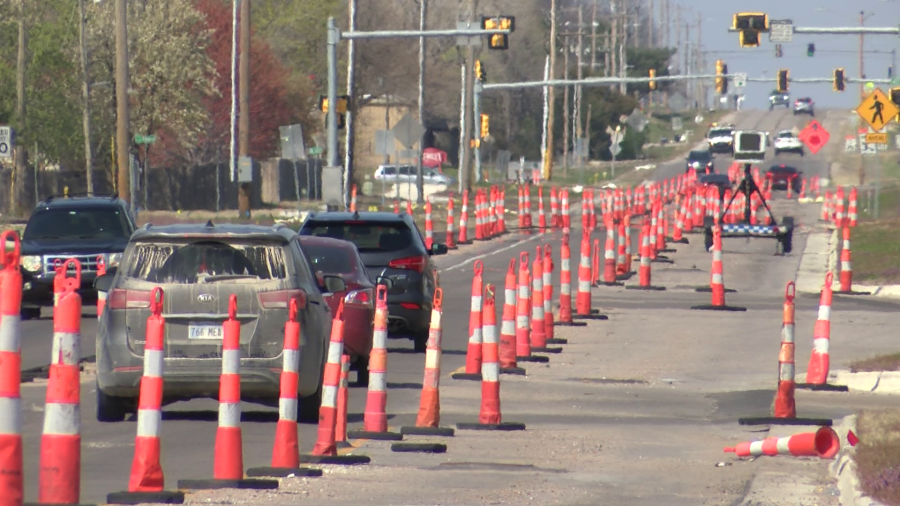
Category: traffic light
<point>480,74</point>
<point>838,80</point>
<point>342,103</point>
<point>750,24</point>
<point>485,126</point>
<point>721,80</point>
<point>810,49</point>
<point>498,41</point>
<point>652,77</point>
<point>782,81</point>
<point>778,52</point>
<point>894,94</point>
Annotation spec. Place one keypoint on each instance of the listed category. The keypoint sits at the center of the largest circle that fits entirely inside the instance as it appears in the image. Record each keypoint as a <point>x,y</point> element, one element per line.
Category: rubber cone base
<point>428,431</point>
<point>546,350</point>
<point>557,340</point>
<point>337,460</point>
<point>247,484</point>
<point>706,289</point>
<point>283,472</point>
<point>646,288</point>
<point>851,292</point>
<point>54,504</point>
<point>668,250</point>
<point>518,371</point>
<point>823,388</point>
<point>378,436</point>
<point>466,376</point>
<point>626,276</point>
<point>463,243</point>
<point>771,420</point>
<point>161,497</point>
<point>683,240</point>
<point>343,444</point>
<point>662,260</point>
<point>710,307</point>
<point>419,448</point>
<point>592,316</point>
<point>534,358</point>
<point>504,426</point>
<point>570,324</point>
<point>606,283</point>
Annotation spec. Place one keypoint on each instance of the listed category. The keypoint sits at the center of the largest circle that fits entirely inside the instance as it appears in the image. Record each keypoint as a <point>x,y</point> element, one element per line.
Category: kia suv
<point>199,268</point>
<point>391,246</point>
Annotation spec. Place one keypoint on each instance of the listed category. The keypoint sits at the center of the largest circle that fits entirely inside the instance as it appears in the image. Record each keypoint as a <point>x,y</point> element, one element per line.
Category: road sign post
<point>781,31</point>
<point>6,142</point>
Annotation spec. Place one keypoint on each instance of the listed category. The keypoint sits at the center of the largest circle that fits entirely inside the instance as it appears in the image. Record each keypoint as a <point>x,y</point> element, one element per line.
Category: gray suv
<point>199,268</point>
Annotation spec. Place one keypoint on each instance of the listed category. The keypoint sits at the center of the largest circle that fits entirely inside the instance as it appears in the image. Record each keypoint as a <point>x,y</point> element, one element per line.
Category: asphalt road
<point>650,337</point>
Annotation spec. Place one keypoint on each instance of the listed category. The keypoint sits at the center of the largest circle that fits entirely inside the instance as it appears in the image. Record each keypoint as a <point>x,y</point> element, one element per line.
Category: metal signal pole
<point>123,153</point>
<point>551,92</point>
<point>244,100</point>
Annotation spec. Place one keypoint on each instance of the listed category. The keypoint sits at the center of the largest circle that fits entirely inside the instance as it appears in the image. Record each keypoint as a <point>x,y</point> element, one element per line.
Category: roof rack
<point>112,196</point>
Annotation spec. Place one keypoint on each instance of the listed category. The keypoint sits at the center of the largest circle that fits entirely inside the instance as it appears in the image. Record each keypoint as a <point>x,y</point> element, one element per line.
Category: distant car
<point>721,139</point>
<point>783,175</point>
<point>720,181</point>
<point>199,269</point>
<point>779,98</point>
<point>409,174</point>
<point>804,106</point>
<point>390,245</point>
<point>333,257</point>
<point>700,161</point>
<point>787,141</point>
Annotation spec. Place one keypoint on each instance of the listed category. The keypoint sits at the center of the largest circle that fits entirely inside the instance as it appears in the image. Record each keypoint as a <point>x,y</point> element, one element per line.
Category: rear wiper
<point>225,277</point>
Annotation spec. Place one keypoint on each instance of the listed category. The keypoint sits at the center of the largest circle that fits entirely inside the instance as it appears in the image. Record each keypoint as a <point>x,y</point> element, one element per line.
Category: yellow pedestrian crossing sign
<point>877,109</point>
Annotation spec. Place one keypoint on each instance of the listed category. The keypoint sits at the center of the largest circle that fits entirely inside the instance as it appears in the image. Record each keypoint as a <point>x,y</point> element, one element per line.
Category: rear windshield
<point>100,223</point>
<point>369,237</point>
<point>330,260</point>
<point>789,170</point>
<point>785,135</point>
<point>722,132</point>
<point>699,155</point>
<point>205,262</point>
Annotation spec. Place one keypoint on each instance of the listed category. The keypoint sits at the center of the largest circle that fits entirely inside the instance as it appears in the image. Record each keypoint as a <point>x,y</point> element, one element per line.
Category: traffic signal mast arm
<point>839,30</point>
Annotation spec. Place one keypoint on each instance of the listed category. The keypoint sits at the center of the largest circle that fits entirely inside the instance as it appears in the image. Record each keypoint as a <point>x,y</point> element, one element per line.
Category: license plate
<point>205,331</point>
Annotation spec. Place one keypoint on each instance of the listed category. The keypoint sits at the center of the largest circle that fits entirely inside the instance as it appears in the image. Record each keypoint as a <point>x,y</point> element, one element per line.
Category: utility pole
<point>349,124</point>
<point>551,92</point>
<point>565,106</point>
<point>665,24</point>
<point>419,182</point>
<point>123,153</point>
<point>614,36</point>
<point>701,88</point>
<point>17,189</point>
<point>469,123</point>
<point>578,89</point>
<point>650,35</point>
<point>623,63</point>
<point>244,101</point>
<point>862,71</point>
<point>85,100</point>
<point>593,36</point>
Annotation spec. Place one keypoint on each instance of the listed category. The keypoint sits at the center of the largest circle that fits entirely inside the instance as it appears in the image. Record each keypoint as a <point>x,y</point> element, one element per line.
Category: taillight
<point>281,298</point>
<point>128,299</point>
<point>360,298</point>
<point>410,305</point>
<point>416,263</point>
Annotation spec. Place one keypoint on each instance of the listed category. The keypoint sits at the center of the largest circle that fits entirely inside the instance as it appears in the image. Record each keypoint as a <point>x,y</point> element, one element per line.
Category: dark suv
<point>701,161</point>
<point>199,269</point>
<point>390,245</point>
<point>88,228</point>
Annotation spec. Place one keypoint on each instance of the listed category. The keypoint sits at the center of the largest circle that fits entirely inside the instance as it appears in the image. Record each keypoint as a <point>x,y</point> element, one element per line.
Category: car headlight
<point>32,263</point>
<point>113,260</point>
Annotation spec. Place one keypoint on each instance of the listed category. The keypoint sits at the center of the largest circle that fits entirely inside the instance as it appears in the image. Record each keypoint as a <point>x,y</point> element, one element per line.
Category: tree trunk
<point>17,188</point>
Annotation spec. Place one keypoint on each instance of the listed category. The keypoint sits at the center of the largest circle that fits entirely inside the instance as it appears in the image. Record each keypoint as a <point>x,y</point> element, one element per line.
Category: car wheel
<point>31,313</point>
<point>420,342</point>
<point>362,371</point>
<point>308,407</point>
<point>771,107</point>
<point>109,408</point>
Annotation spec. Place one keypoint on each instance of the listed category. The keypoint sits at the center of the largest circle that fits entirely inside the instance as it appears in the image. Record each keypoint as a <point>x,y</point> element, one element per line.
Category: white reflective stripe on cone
<point>229,414</point>
<point>476,303</point>
<point>787,333</point>
<point>10,416</point>
<point>62,419</point>
<point>845,266</point>
<point>335,350</point>
<point>509,296</point>
<point>431,359</point>
<point>565,264</point>
<point>379,339</point>
<point>9,333</point>
<point>717,279</point>
<point>609,254</point>
<point>507,328</point>
<point>522,322</point>
<point>490,334</point>
<point>584,262</point>
<point>783,445</point>
<point>329,396</point>
<point>231,361</point>
<point>584,286</point>
<point>717,255</point>
<point>565,288</point>
<point>376,381</point>
<point>523,291</point>
<point>786,372</point>
<point>476,337</point>
<point>148,421</point>
<point>824,313</point>
<point>820,345</point>
<point>66,348</point>
<point>153,363</point>
<point>291,361</point>
<point>846,244</point>
<point>537,313</point>
<point>645,261</point>
<point>490,372</point>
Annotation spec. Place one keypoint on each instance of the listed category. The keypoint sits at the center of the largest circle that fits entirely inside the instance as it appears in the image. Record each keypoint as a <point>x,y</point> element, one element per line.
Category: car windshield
<point>98,223</point>
<point>720,132</point>
<point>204,262</point>
<point>699,155</point>
<point>330,259</point>
<point>369,237</point>
<point>785,135</point>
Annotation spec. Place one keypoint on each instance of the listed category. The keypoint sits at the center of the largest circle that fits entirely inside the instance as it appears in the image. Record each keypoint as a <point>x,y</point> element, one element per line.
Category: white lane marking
<point>494,252</point>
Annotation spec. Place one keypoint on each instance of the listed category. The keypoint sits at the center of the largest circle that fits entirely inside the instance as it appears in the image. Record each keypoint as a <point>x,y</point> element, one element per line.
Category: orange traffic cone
<point>473,352</point>
<point>846,275</point>
<point>11,460</point>
<point>565,286</point>
<point>549,324</point>
<point>644,271</point>
<point>538,319</point>
<point>717,279</point>
<point>583,310</point>
<point>819,360</point>
<point>508,364</point>
<point>464,220</point>
<point>824,443</point>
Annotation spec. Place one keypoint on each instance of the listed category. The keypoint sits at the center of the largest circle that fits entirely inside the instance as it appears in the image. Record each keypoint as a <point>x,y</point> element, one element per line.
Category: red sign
<point>433,157</point>
<point>814,136</point>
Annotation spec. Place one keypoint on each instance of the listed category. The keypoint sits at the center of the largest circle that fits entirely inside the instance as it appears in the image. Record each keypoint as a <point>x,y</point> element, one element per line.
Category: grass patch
<point>878,455</point>
<point>888,362</point>
<point>876,251</point>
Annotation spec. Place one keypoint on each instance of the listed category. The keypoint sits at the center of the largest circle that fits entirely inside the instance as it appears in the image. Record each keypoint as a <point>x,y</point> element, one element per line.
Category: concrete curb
<point>843,468</point>
<point>879,382</point>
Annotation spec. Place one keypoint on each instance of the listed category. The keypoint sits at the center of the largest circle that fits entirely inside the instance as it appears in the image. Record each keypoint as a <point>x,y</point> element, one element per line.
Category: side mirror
<point>334,284</point>
<point>386,281</point>
<point>104,283</point>
<point>439,249</point>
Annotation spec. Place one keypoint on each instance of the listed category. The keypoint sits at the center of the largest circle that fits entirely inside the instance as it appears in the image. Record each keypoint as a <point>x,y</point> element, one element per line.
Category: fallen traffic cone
<point>508,364</point>
<point>147,480</point>
<point>644,271</point>
<point>824,443</point>
<point>819,360</point>
<point>429,418</point>
<point>228,460</point>
<point>717,278</point>
<point>538,320</point>
<point>549,324</point>
<point>846,274</point>
<point>473,352</point>
<point>490,417</point>
<point>565,286</point>
<point>375,416</point>
<point>11,460</point>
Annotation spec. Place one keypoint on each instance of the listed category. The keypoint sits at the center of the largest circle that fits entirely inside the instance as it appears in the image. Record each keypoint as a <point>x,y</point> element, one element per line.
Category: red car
<point>782,175</point>
<point>334,257</point>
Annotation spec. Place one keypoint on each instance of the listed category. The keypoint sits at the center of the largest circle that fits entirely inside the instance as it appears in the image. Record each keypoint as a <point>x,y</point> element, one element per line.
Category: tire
<point>708,239</point>
<point>771,107</point>
<point>420,342</point>
<point>31,313</point>
<point>362,371</point>
<point>109,408</point>
<point>308,407</point>
<point>787,242</point>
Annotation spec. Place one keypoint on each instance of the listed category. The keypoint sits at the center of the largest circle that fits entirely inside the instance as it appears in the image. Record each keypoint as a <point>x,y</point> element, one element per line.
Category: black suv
<point>88,228</point>
<point>701,161</point>
<point>390,245</point>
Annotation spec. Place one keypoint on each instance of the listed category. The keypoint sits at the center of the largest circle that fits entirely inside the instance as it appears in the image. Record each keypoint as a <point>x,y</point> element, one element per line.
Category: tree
<point>642,59</point>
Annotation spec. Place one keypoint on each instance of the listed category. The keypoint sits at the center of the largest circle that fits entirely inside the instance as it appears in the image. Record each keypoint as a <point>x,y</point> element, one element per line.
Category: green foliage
<point>642,59</point>
<point>607,106</point>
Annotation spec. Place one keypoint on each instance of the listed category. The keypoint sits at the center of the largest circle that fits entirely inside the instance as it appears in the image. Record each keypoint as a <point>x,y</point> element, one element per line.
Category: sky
<point>832,51</point>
